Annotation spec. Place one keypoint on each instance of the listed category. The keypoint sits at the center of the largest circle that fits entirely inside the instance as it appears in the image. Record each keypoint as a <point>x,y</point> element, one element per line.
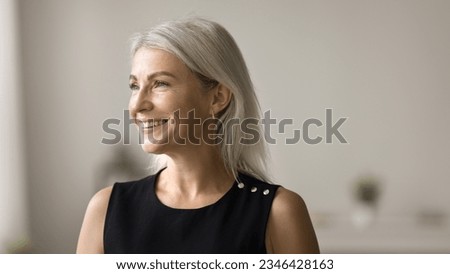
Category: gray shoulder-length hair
<point>211,53</point>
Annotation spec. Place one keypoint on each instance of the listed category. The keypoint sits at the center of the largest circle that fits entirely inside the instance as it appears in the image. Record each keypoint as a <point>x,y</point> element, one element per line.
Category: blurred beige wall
<point>384,65</point>
<point>14,227</point>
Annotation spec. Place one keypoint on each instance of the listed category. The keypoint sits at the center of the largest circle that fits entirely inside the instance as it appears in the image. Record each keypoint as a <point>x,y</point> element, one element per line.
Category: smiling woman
<point>188,80</point>
<point>163,90</point>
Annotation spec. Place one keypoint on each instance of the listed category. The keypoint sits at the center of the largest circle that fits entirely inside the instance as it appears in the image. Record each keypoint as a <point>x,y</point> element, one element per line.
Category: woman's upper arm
<point>289,228</point>
<point>91,234</point>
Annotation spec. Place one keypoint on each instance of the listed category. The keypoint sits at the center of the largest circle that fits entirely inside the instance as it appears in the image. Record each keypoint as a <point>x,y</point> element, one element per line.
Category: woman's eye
<point>134,87</point>
<point>159,84</point>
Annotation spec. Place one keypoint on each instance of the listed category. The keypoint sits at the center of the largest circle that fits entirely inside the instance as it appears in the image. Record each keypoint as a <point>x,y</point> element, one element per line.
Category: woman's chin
<point>153,148</point>
<point>154,141</point>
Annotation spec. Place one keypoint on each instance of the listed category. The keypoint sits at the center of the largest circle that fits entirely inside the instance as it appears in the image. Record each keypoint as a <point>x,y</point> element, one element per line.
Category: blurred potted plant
<point>366,192</point>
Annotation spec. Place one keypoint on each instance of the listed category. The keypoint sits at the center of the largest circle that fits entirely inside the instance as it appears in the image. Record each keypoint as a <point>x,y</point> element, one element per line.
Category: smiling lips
<point>149,124</point>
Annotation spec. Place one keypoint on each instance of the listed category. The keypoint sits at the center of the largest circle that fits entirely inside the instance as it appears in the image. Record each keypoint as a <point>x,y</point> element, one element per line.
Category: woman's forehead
<point>149,61</point>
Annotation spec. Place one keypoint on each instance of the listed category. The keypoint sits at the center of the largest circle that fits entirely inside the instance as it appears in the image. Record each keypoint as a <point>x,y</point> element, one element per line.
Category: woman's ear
<point>221,98</point>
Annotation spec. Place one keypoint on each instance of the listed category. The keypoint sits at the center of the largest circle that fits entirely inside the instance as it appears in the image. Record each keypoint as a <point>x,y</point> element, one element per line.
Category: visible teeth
<point>149,124</point>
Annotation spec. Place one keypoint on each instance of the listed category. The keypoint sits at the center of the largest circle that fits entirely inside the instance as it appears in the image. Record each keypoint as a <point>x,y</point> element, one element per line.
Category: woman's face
<point>167,101</point>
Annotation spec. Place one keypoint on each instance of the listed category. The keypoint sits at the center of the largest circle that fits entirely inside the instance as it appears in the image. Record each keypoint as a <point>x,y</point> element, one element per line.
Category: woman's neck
<point>200,171</point>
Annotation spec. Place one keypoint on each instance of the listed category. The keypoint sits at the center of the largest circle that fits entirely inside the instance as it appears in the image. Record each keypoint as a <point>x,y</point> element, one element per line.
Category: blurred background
<point>384,65</point>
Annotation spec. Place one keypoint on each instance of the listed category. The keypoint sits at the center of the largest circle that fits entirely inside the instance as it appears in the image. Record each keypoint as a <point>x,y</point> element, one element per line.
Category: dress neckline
<point>205,207</point>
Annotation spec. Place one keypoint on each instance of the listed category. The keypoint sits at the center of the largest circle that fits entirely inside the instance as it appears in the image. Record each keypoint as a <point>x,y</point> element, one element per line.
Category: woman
<point>190,95</point>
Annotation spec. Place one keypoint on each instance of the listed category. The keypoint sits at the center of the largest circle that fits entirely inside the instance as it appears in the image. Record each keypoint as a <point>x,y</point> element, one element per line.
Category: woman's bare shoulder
<point>285,199</point>
<point>289,229</point>
<point>101,199</point>
<point>91,234</point>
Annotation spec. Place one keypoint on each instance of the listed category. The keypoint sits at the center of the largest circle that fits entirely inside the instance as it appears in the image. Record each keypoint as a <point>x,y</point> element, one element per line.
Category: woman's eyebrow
<point>155,74</point>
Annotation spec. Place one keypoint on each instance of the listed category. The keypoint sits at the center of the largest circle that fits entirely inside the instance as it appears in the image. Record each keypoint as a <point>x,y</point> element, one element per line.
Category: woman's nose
<point>141,102</point>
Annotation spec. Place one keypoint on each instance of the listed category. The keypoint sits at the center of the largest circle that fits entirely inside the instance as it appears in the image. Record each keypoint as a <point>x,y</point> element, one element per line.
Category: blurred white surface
<point>389,234</point>
<point>13,203</point>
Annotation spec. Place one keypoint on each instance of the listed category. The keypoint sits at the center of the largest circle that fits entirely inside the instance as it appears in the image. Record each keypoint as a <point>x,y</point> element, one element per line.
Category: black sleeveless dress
<point>137,222</point>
